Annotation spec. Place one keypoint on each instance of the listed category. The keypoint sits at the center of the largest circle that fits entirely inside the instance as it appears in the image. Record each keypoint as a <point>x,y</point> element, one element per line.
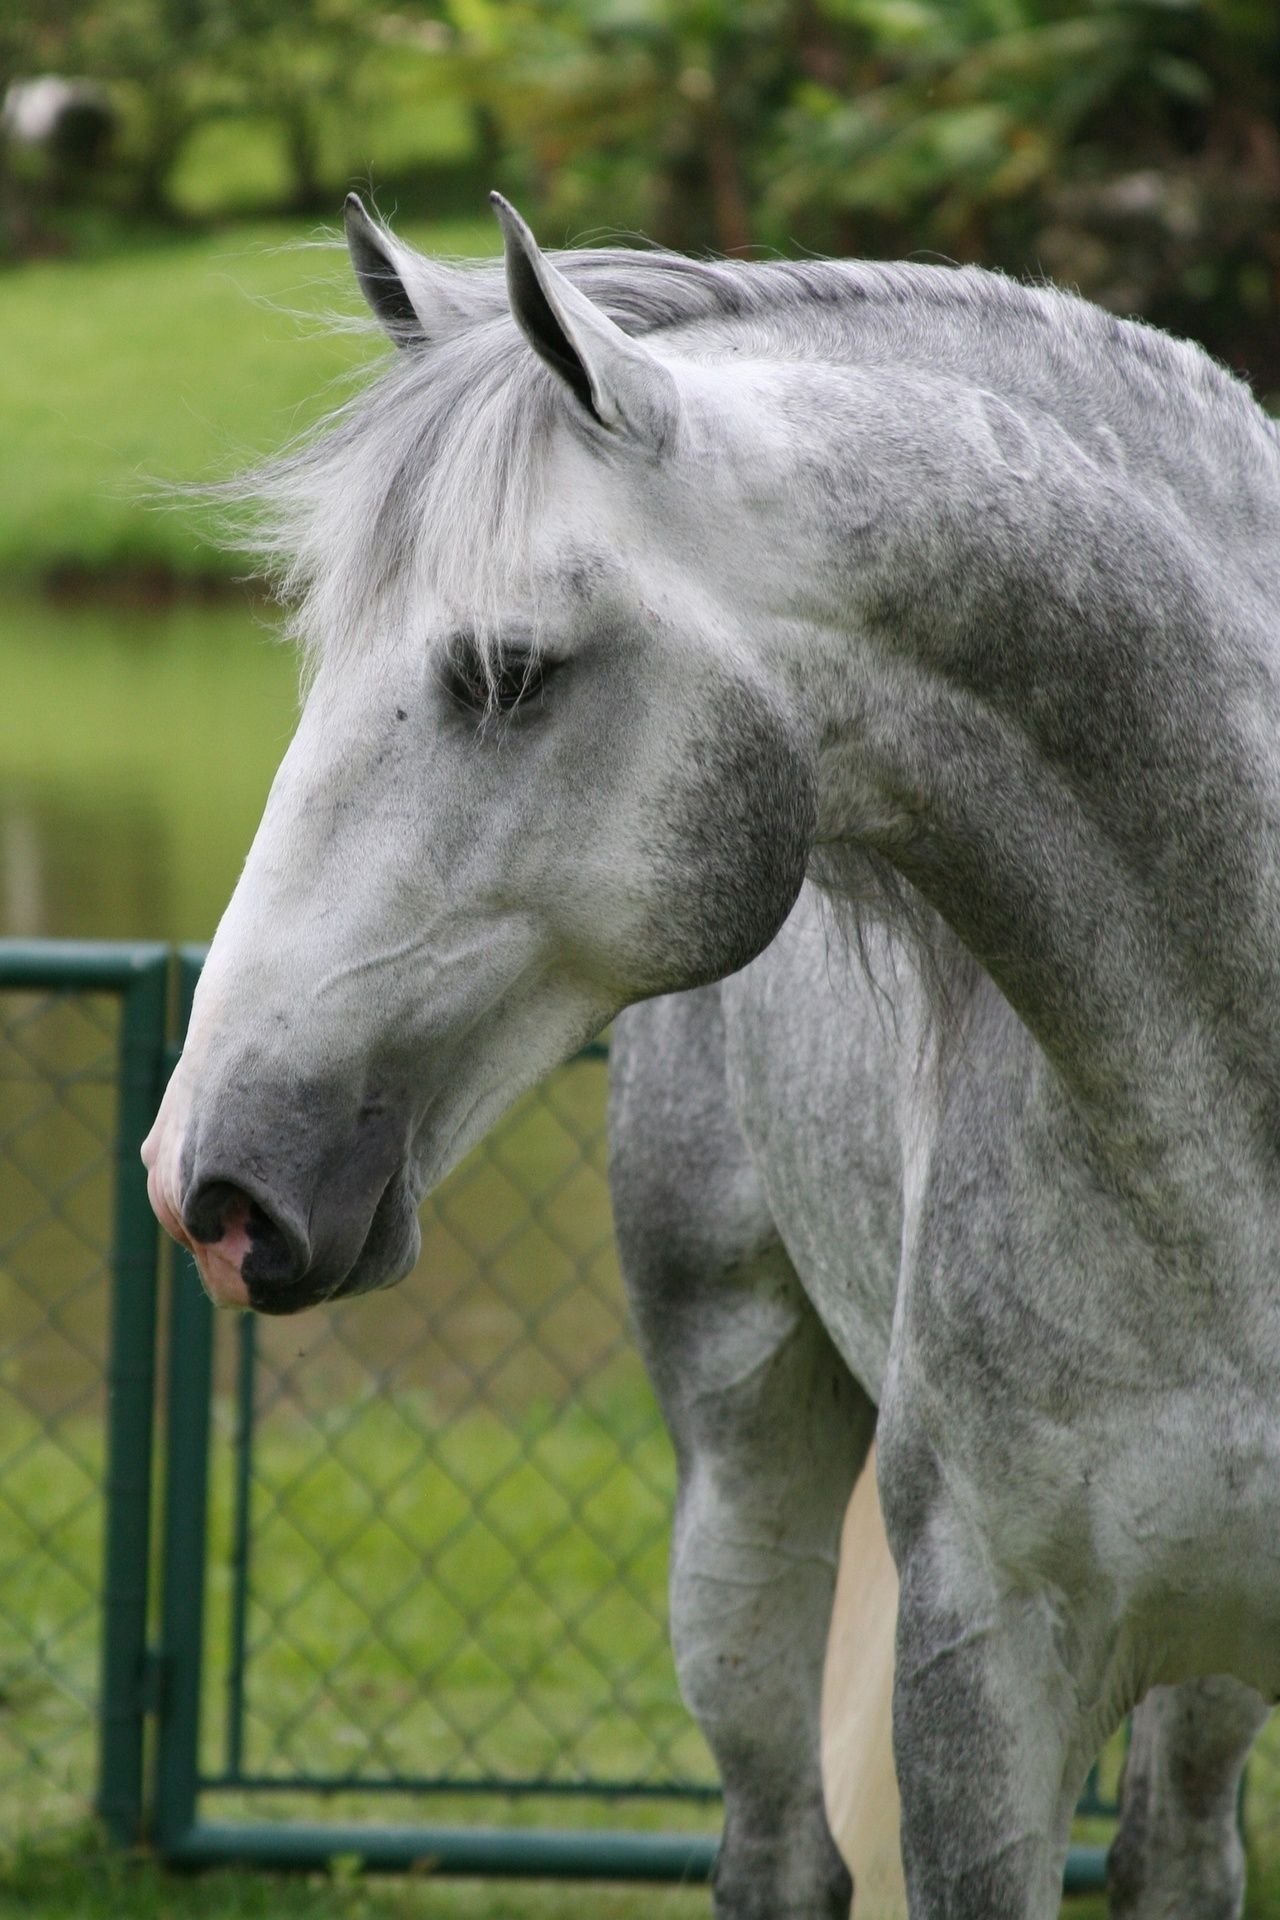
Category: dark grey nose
<point>298,1188</point>
<point>277,1254</point>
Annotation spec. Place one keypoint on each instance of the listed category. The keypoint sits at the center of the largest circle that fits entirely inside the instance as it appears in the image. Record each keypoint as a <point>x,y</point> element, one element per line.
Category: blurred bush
<point>1127,147</point>
<point>236,106</point>
<point>1130,148</point>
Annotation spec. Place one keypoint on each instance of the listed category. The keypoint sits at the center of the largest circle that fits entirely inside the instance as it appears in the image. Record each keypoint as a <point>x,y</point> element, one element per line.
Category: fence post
<point>186,1503</point>
<point>130,1401</point>
<point>186,1506</point>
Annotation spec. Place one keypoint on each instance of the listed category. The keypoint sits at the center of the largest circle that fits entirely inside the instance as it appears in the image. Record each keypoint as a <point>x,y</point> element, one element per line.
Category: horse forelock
<point>428,480</point>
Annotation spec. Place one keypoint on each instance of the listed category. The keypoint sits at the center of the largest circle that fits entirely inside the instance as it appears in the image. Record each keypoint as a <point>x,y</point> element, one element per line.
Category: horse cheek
<point>734,829</point>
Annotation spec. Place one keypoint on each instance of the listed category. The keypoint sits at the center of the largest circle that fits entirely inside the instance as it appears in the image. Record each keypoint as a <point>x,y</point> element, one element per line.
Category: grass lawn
<point>177,361</point>
<point>78,1881</point>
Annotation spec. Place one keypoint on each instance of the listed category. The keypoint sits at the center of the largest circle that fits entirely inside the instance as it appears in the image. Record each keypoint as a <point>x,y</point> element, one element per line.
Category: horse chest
<point>1112,1413</point>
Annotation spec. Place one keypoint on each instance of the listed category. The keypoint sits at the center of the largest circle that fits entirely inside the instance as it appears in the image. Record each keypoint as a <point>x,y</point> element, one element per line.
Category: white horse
<point>874,671</point>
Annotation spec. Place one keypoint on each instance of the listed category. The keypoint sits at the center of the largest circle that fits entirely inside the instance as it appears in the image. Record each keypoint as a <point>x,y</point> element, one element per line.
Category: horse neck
<point>1056,713</point>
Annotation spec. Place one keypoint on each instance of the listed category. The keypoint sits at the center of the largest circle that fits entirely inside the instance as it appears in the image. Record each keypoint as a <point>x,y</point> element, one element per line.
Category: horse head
<point>538,774</point>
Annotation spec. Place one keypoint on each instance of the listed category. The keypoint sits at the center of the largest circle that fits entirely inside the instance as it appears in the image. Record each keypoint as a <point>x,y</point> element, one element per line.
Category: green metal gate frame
<point>138,976</point>
<point>149,1780</point>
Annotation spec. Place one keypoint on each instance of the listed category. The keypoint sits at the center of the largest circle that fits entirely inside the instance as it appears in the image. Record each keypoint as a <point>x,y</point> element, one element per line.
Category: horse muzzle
<point>248,1251</point>
<point>282,1211</point>
<point>259,1256</point>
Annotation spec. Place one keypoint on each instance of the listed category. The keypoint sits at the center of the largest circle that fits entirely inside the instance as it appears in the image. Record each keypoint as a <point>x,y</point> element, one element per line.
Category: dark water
<point>136,750</point>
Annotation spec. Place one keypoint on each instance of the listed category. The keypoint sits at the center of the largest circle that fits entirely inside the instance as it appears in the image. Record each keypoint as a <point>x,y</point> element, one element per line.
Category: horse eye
<point>501,686</point>
<point>517,677</point>
<point>463,677</point>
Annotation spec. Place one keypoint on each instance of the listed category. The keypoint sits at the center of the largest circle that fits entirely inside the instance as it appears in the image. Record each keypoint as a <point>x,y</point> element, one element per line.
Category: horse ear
<point>623,386</point>
<point>374,255</point>
<point>411,297</point>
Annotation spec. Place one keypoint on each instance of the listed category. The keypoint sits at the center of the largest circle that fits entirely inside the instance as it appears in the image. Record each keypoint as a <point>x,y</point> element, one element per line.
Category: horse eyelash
<point>490,687</point>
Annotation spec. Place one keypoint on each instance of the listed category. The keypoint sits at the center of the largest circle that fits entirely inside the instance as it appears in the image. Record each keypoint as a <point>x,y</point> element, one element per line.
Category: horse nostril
<point>212,1210</point>
<point>219,1211</point>
<point>274,1257</point>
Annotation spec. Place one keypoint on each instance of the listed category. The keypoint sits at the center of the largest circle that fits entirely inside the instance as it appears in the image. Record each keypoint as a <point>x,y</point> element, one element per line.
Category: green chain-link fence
<point>411,1559</point>
<point>81,1052</point>
<point>57,1126</point>
<point>444,1513</point>
<point>413,1549</point>
<point>440,1520</point>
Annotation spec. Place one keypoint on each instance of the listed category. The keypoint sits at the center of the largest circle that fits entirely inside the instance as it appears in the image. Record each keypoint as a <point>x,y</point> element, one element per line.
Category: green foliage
<point>634,113</point>
<point>1129,147</point>
<point>320,76</point>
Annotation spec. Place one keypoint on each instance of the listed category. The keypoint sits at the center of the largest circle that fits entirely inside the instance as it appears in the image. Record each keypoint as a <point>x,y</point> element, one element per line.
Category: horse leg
<point>770,1431</point>
<point>1178,1852</point>
<point>991,1739</point>
<point>755,1552</point>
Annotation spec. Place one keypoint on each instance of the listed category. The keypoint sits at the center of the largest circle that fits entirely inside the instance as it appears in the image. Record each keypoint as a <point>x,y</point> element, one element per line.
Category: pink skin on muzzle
<point>221,1261</point>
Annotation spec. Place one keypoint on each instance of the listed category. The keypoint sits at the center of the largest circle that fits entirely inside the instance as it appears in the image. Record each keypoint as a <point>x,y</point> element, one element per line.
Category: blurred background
<point>160,162</point>
<point>156,156</point>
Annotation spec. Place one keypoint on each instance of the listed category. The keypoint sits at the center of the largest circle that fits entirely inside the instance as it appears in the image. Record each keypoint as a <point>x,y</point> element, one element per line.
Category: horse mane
<point>428,478</point>
<point>425,485</point>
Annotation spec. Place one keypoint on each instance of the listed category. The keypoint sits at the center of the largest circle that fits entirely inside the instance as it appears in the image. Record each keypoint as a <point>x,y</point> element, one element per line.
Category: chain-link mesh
<point>58,1105</point>
<point>441,1514</point>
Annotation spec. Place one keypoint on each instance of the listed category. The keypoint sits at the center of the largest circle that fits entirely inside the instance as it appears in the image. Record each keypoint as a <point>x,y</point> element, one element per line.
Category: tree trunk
<point>307,192</point>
